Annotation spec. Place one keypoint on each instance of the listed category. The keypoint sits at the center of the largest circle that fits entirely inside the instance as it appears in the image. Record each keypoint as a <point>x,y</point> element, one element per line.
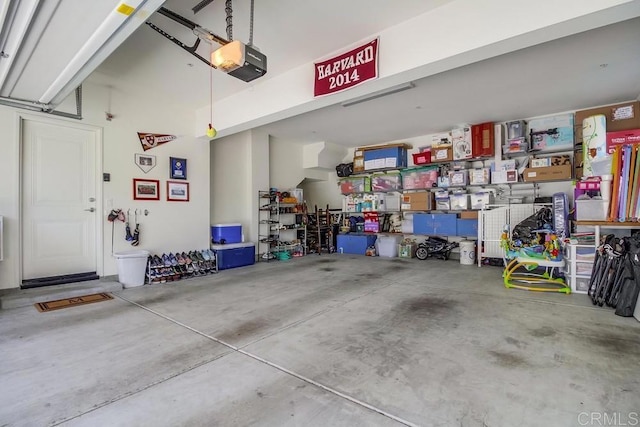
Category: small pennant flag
<point>152,140</point>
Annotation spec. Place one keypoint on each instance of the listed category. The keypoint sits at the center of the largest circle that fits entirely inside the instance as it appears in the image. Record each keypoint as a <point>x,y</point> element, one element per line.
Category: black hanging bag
<point>630,288</point>
<point>344,169</point>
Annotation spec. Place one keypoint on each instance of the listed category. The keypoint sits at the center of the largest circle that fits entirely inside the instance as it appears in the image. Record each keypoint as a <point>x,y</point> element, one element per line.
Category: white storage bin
<point>592,210</point>
<point>387,246</point>
<point>580,285</point>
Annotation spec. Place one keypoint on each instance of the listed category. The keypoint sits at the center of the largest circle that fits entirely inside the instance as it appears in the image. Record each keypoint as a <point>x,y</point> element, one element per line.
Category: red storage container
<point>422,158</point>
<point>482,140</point>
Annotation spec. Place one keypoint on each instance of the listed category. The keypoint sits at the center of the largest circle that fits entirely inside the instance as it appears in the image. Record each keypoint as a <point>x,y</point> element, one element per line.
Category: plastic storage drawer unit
<point>234,255</point>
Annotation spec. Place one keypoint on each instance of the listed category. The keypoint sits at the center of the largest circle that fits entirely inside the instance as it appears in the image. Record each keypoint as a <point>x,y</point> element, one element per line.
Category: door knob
<point>90,210</point>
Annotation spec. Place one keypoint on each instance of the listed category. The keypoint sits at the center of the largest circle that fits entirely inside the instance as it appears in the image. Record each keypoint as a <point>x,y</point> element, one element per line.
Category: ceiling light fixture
<point>379,94</point>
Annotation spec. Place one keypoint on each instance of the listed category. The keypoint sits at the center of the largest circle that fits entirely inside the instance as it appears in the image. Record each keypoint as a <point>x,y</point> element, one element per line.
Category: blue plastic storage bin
<point>393,157</point>
<point>435,224</point>
<point>226,233</point>
<point>467,228</point>
<point>422,223</point>
<point>444,224</point>
<point>234,255</point>
<point>355,243</point>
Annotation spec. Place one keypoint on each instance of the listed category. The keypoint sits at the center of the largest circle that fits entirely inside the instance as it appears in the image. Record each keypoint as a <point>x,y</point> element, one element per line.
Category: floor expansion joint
<point>269,363</point>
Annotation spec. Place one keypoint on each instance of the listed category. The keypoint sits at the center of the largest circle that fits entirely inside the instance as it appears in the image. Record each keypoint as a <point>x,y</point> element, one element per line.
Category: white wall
<point>9,207</point>
<point>285,163</point>
<point>170,226</point>
<point>323,193</point>
<point>239,169</point>
<point>230,174</point>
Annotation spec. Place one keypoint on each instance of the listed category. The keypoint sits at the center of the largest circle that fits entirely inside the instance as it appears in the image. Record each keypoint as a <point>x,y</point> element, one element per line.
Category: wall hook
<point>146,212</point>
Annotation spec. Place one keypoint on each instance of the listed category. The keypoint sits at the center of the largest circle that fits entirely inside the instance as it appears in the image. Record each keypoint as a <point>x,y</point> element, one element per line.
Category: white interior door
<point>59,216</point>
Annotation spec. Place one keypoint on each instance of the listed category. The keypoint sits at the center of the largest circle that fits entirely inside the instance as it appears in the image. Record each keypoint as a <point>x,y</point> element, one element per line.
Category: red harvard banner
<point>347,70</point>
<point>152,140</point>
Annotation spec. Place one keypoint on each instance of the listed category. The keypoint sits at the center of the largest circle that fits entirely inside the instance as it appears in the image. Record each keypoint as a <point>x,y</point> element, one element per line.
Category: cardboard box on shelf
<point>358,164</point>
<point>469,215</point>
<point>624,137</point>
<point>418,201</point>
<point>542,162</point>
<point>480,176</point>
<point>549,173</point>
<point>461,141</point>
<point>444,154</point>
<point>361,150</point>
<point>619,117</point>
<point>441,139</point>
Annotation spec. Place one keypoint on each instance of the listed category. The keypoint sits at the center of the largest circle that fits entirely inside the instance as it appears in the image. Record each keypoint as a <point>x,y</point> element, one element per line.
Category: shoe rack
<point>181,265</point>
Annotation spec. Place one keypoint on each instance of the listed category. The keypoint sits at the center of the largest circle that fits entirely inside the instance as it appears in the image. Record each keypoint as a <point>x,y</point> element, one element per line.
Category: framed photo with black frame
<point>178,168</point>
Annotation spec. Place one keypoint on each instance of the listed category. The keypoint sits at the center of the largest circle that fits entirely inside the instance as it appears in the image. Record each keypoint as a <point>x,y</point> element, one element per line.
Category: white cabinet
<point>578,266</point>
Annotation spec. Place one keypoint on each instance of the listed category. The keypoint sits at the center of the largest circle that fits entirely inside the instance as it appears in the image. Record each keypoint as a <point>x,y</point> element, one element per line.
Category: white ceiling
<point>562,75</point>
<point>289,32</point>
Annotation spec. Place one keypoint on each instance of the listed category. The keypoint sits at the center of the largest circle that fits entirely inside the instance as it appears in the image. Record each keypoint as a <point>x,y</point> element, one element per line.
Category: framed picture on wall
<point>177,191</point>
<point>146,189</point>
<point>145,162</point>
<point>178,168</point>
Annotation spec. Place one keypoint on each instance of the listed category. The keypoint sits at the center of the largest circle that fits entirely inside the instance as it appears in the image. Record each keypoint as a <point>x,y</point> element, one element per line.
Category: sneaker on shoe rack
<point>157,261</point>
<point>181,260</point>
<point>173,259</point>
<point>166,260</point>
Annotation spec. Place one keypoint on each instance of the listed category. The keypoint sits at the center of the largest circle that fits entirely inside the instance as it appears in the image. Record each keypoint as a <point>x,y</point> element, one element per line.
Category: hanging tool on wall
<point>127,229</point>
<point>114,215</point>
<point>136,232</point>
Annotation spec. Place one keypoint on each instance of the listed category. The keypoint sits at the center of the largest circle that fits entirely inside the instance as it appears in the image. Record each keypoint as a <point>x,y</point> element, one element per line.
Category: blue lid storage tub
<point>226,233</point>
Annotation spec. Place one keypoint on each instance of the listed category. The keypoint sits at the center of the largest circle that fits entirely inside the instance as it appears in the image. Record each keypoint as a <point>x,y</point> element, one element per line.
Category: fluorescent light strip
<point>379,94</point>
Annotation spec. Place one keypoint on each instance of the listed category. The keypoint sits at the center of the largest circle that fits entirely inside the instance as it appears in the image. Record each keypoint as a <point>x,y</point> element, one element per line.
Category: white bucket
<point>132,267</point>
<point>467,252</point>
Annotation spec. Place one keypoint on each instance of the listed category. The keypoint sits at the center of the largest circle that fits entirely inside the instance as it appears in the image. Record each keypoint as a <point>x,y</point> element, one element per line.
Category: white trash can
<point>132,267</point>
<point>467,252</point>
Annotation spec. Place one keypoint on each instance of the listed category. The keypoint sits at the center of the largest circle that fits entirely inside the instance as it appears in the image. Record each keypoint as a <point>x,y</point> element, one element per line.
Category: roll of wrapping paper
<point>632,174</point>
<point>636,188</point>
<point>615,170</point>
<point>624,183</point>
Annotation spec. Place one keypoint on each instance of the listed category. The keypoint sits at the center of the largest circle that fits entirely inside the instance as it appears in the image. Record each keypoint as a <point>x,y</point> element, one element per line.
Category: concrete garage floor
<point>330,340</point>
